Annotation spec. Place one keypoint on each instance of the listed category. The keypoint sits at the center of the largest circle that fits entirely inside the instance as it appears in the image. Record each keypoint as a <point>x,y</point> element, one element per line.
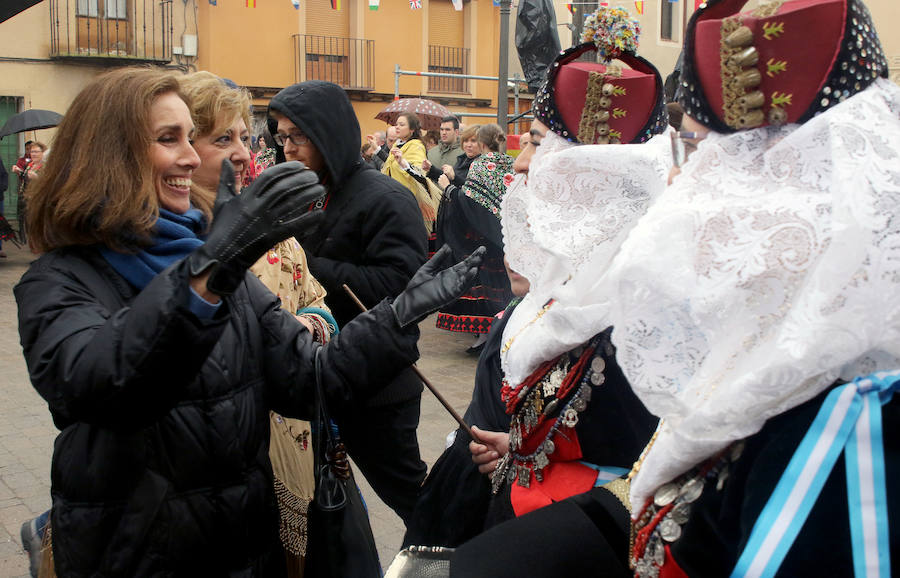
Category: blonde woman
<point>221,116</point>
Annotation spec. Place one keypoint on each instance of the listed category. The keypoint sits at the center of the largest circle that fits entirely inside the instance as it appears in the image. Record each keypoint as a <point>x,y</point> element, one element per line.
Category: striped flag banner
<point>212,2</point>
<point>296,4</point>
<point>335,4</point>
<point>639,6</point>
<point>457,5</point>
<point>415,4</point>
<point>250,3</point>
<point>373,4</point>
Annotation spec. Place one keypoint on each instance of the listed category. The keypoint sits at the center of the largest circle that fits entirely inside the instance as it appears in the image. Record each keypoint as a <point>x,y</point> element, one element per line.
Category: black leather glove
<point>435,285</point>
<point>273,208</point>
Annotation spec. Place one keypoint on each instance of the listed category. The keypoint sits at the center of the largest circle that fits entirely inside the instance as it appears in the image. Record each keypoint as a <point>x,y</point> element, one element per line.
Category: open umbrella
<point>429,112</point>
<point>33,119</point>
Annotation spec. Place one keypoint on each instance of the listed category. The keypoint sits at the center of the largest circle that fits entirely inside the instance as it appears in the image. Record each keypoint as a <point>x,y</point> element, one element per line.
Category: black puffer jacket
<point>372,237</point>
<point>162,465</point>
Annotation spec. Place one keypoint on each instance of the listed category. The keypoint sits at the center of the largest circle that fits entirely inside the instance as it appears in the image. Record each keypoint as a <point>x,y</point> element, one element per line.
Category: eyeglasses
<point>683,145</point>
<point>297,138</point>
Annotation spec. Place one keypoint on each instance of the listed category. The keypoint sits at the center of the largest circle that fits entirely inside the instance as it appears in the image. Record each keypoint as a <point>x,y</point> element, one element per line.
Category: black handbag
<point>340,542</point>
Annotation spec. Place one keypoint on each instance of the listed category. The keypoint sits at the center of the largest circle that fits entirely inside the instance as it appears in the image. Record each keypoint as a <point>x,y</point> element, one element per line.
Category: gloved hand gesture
<point>273,208</point>
<point>435,285</point>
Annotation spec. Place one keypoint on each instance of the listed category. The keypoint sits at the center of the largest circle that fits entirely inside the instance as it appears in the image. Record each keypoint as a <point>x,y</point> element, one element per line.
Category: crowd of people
<point>687,324</point>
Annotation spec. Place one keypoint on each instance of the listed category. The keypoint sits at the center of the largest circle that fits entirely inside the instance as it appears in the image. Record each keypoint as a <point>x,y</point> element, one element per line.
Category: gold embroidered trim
<point>593,128</point>
<point>292,528</point>
<point>620,488</point>
<point>739,74</point>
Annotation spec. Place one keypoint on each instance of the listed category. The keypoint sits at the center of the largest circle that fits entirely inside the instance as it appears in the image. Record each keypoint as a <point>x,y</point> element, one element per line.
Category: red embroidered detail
<point>510,395</point>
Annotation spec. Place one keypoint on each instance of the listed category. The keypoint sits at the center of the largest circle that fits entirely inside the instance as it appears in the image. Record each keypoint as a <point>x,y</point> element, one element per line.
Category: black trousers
<point>382,441</point>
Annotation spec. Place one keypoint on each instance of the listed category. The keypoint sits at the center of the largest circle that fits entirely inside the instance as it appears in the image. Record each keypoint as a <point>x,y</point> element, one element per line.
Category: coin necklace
<point>529,406</point>
<point>661,520</point>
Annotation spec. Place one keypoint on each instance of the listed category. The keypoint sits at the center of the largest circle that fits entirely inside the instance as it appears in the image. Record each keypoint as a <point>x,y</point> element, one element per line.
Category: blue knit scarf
<point>176,236</point>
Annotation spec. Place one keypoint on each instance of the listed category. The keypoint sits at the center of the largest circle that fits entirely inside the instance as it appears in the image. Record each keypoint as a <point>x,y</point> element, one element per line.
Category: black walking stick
<point>424,379</point>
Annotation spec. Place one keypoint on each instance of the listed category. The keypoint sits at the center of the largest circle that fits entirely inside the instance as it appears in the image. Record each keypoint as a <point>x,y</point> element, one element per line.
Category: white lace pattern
<point>578,206</point>
<point>769,268</point>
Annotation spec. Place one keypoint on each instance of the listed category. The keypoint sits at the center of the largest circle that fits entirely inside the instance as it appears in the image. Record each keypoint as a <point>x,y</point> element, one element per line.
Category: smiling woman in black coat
<point>159,357</point>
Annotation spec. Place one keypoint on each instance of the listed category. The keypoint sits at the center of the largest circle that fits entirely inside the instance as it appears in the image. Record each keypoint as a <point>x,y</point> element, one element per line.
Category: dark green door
<point>9,153</point>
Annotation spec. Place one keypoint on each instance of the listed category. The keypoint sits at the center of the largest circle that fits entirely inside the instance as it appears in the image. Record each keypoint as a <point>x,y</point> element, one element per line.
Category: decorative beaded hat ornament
<point>600,103</point>
<point>784,62</point>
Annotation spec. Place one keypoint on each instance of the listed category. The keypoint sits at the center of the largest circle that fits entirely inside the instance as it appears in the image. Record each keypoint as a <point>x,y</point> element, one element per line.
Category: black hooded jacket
<point>372,237</point>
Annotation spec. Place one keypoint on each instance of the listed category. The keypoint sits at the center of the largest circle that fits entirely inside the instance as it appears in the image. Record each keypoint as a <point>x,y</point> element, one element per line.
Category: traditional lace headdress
<point>578,203</point>
<point>783,62</point>
<point>573,214</point>
<point>768,270</point>
<point>603,102</point>
<point>771,267</point>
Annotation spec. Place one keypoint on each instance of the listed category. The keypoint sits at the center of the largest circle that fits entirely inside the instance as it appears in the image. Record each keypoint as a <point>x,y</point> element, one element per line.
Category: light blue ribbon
<point>849,421</point>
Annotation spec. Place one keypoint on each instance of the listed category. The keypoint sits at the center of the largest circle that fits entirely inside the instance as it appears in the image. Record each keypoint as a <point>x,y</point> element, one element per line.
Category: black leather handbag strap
<point>323,418</point>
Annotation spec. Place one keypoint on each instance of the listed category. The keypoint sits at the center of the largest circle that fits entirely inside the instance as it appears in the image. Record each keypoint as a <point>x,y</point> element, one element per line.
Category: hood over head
<point>323,112</point>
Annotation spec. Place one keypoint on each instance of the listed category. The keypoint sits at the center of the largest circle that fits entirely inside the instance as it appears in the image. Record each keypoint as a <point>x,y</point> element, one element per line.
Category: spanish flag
<point>335,4</point>
<point>251,3</point>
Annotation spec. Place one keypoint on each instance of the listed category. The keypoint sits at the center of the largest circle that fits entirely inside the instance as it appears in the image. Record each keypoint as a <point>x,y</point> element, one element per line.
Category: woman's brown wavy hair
<point>98,185</point>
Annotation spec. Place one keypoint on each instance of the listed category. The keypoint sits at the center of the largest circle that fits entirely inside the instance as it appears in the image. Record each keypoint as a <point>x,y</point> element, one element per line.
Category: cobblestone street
<point>27,432</point>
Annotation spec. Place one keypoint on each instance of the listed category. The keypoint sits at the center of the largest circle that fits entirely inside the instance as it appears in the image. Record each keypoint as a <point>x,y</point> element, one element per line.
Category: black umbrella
<point>33,119</point>
<point>9,8</point>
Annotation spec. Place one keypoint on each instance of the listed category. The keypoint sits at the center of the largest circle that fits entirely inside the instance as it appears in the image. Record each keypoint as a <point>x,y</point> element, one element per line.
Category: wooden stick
<point>424,379</point>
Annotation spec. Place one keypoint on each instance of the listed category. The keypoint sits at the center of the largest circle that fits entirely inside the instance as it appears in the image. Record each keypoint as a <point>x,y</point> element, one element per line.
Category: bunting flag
<point>373,4</point>
<point>639,6</point>
<point>496,2</point>
<point>570,7</point>
<point>335,4</point>
<point>697,4</point>
<point>415,4</point>
<point>296,4</point>
<point>457,5</point>
<point>212,2</point>
<point>250,3</point>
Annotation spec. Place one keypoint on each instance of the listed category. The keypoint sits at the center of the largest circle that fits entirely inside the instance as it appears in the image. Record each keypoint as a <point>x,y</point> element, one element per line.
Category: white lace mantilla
<point>525,256</point>
<point>769,268</point>
<point>567,223</point>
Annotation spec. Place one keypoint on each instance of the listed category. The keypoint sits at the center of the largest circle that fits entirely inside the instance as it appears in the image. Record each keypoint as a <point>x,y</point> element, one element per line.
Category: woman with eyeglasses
<point>159,356</point>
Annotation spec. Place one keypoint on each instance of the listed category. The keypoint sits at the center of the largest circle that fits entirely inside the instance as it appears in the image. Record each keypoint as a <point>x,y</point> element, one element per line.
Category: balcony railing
<point>130,30</point>
<point>448,59</point>
<point>348,62</point>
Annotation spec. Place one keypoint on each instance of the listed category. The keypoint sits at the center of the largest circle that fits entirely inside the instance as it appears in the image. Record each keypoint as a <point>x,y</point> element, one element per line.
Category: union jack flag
<point>415,4</point>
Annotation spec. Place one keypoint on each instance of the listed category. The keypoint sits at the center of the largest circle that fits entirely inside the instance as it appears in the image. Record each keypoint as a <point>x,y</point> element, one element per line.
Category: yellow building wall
<point>28,72</point>
<point>251,46</point>
<point>401,37</point>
